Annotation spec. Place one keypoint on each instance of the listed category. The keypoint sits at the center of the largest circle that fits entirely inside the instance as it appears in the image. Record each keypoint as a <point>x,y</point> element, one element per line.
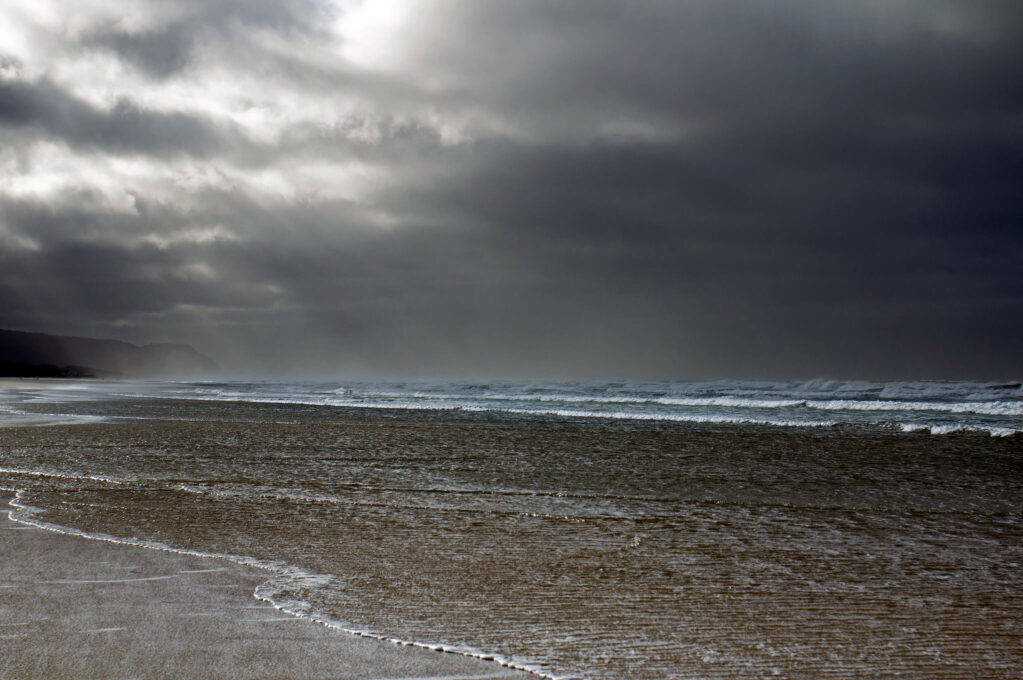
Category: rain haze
<point>521,189</point>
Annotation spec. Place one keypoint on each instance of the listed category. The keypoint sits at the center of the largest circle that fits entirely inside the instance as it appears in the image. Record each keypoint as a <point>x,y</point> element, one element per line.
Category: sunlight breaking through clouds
<point>580,188</point>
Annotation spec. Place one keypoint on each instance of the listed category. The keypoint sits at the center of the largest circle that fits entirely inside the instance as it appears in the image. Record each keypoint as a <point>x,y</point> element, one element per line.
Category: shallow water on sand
<point>580,547</point>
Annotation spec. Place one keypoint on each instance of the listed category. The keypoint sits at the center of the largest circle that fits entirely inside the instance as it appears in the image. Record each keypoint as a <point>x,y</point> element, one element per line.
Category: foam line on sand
<point>108,608</point>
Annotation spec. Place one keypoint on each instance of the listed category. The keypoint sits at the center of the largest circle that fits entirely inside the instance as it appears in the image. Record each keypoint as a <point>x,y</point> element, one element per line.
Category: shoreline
<point>995,419</point>
<point>576,549</point>
<point>112,608</point>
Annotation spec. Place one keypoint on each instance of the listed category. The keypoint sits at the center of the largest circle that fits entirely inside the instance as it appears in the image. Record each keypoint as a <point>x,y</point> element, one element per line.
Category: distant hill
<point>40,355</point>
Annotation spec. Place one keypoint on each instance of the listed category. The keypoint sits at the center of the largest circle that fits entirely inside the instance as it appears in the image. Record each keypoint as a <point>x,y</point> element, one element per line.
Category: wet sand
<point>71,607</point>
<point>585,549</point>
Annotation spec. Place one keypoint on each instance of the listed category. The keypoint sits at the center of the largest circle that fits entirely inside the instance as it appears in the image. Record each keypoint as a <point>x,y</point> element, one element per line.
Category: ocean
<point>625,530</point>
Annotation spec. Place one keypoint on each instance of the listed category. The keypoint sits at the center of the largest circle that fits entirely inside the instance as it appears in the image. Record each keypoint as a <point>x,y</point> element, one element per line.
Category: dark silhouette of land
<point>14,369</point>
<point>39,355</point>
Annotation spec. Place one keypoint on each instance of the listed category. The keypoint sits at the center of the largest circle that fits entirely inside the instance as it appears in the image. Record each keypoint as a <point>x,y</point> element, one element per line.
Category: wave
<point>696,418</point>
<point>669,417</point>
<point>444,401</point>
<point>59,475</point>
<point>13,417</point>
<point>940,407</point>
<point>284,577</point>
<point>950,429</point>
<point>738,420</point>
<point>991,408</point>
<point>996,408</point>
<point>565,413</point>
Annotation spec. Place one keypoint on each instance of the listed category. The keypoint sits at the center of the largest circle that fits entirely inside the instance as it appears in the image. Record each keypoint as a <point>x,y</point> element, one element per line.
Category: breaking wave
<point>932,406</point>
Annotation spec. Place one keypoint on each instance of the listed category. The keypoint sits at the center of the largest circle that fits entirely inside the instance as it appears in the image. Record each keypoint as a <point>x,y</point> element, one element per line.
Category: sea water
<point>614,530</point>
<point>938,407</point>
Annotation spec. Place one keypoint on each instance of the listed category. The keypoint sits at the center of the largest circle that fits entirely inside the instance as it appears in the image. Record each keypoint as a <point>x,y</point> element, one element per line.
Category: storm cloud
<point>521,189</point>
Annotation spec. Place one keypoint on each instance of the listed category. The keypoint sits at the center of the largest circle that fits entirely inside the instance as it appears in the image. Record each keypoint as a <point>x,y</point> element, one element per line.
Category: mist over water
<point>626,531</point>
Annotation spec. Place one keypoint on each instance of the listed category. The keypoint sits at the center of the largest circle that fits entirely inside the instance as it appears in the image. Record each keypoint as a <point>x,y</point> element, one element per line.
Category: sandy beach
<point>597,548</point>
<point>71,607</point>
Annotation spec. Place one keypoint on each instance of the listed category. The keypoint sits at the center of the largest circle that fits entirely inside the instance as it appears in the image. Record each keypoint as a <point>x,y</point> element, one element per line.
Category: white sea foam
<point>284,576</point>
<point>58,475</point>
<point>670,417</point>
<point>14,418</point>
<point>994,408</point>
<point>940,407</point>
<point>999,408</point>
<point>949,429</point>
<point>737,410</point>
<point>738,402</point>
<point>570,399</point>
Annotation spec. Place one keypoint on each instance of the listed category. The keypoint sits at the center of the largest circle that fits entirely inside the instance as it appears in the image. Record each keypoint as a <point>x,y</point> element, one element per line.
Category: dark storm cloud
<point>553,189</point>
<point>874,266</point>
<point>42,108</point>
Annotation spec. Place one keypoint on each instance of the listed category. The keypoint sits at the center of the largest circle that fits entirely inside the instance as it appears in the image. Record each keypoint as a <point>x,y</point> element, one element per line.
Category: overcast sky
<point>524,188</point>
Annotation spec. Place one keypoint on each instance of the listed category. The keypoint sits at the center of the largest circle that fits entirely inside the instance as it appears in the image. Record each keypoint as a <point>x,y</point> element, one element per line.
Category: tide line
<point>110,580</point>
<point>286,571</point>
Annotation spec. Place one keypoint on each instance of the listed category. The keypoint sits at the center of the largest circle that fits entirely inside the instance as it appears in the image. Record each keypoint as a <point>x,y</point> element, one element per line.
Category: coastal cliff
<point>41,355</point>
